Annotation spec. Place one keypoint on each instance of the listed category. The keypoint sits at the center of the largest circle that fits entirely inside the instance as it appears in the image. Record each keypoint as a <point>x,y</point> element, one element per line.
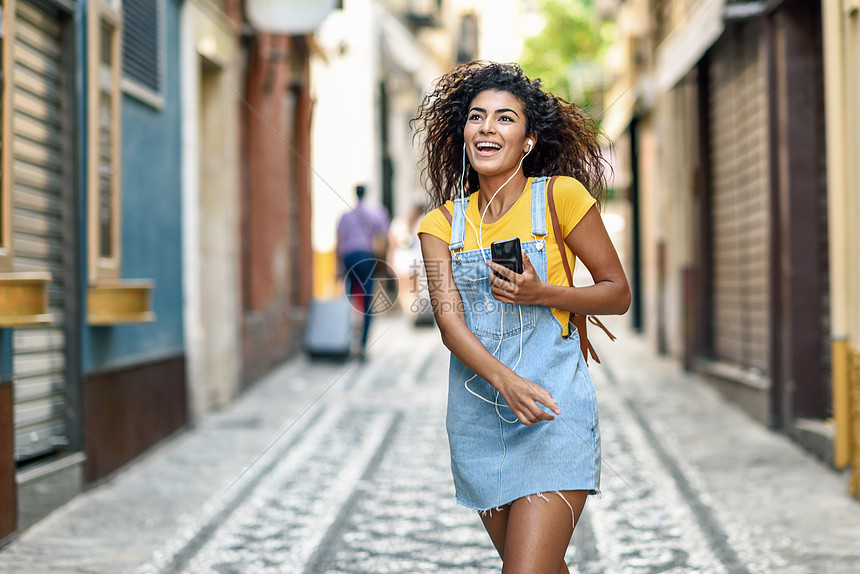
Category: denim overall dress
<point>495,461</point>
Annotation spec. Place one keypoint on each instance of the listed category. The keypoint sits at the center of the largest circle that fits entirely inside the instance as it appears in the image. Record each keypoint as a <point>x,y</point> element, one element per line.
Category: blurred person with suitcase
<point>361,243</point>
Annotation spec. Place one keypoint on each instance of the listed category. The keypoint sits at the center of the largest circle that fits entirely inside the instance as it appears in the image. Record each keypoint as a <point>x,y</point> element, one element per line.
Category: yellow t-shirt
<point>572,202</point>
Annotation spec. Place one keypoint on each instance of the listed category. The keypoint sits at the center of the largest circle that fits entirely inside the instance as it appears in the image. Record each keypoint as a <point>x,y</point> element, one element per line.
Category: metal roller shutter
<point>823,241</point>
<point>740,218</point>
<point>38,224</point>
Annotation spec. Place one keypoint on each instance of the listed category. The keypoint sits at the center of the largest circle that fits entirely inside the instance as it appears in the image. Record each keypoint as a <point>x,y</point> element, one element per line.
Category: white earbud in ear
<point>529,141</point>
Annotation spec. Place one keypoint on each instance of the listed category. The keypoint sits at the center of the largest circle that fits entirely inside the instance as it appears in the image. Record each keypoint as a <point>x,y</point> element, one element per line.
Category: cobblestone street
<point>354,479</point>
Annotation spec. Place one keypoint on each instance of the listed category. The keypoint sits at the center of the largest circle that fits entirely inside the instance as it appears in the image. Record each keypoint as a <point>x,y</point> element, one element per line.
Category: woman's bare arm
<point>520,394</point>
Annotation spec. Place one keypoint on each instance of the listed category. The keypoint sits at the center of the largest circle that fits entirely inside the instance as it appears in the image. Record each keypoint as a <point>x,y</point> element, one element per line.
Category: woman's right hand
<point>524,398</point>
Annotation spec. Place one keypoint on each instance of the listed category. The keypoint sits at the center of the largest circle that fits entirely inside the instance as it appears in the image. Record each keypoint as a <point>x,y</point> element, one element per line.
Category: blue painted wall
<point>151,222</point>
<point>6,352</point>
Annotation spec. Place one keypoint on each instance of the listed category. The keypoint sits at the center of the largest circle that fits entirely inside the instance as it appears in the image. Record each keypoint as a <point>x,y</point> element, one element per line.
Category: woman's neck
<point>504,199</point>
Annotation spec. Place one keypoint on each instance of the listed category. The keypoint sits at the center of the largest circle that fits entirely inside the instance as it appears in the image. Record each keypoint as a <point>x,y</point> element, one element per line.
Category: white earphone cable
<point>478,232</point>
<point>479,237</point>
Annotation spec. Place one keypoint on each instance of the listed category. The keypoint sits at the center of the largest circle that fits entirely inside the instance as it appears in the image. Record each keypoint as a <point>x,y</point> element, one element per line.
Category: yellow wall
<point>326,282</point>
<point>842,88</point>
<point>851,73</point>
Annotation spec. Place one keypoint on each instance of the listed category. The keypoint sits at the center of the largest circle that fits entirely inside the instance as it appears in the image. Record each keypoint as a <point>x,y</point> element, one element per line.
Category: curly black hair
<point>567,136</point>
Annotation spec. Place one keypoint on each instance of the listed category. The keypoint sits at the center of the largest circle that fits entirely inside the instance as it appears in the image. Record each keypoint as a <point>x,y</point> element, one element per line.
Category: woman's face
<point>495,133</point>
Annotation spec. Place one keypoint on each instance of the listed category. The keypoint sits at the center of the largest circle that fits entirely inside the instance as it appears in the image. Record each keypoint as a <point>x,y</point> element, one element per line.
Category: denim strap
<point>538,206</point>
<point>458,225</point>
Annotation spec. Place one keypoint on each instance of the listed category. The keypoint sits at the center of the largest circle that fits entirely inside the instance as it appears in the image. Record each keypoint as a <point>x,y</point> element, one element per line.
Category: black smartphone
<point>507,253</point>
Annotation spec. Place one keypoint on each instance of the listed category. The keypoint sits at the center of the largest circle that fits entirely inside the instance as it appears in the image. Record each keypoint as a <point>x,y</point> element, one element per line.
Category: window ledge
<point>24,299</point>
<point>149,97</point>
<point>119,302</point>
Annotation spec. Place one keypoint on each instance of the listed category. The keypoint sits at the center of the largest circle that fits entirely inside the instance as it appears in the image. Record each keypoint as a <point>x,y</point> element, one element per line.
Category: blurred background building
<point>154,228</point>
<point>732,120</point>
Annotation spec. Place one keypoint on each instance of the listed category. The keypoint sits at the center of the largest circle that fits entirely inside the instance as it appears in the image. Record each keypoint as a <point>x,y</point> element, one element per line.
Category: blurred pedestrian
<point>505,159</point>
<point>404,256</point>
<point>361,245</point>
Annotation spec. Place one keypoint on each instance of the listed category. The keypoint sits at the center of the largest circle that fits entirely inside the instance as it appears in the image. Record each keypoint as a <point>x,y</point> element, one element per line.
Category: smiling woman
<point>522,413</point>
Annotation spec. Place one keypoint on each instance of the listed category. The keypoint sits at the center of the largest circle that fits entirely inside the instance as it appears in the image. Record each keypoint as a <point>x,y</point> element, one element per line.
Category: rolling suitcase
<point>328,333</point>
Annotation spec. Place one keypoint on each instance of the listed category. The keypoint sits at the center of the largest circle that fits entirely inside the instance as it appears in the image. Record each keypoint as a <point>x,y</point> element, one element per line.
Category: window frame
<point>104,268</point>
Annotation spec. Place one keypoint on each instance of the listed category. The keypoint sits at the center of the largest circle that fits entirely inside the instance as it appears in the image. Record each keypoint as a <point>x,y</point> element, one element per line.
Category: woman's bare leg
<point>496,523</point>
<point>532,536</point>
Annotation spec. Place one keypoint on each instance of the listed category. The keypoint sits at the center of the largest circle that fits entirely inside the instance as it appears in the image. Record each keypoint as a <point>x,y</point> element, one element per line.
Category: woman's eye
<point>475,117</point>
<point>506,119</point>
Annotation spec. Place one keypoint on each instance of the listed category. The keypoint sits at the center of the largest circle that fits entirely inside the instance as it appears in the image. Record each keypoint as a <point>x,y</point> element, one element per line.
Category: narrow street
<point>354,478</point>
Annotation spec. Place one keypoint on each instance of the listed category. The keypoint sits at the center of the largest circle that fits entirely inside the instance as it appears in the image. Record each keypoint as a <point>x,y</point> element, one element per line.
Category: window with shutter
<point>143,49</point>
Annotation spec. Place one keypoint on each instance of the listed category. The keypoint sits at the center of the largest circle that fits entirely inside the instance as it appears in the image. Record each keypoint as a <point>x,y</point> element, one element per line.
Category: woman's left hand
<point>520,288</point>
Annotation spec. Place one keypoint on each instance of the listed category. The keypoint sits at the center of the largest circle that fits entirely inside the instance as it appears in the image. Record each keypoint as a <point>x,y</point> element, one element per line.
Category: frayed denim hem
<point>488,512</point>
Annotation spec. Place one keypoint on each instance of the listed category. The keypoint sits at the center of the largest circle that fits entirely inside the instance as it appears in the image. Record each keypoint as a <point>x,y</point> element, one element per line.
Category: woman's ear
<point>531,141</point>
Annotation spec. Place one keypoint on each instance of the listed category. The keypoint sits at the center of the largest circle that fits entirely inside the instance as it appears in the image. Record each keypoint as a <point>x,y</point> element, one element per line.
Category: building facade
<point>154,230</point>
<point>276,206</point>
<point>93,348</point>
<point>721,112</point>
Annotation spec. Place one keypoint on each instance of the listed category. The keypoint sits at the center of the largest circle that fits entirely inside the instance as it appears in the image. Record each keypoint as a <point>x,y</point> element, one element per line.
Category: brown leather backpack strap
<point>578,320</point>
<point>596,322</point>
<point>446,213</point>
<point>581,323</point>
<point>556,230</point>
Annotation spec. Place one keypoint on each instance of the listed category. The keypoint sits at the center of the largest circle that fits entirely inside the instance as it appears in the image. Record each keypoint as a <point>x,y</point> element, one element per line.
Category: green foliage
<point>566,54</point>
